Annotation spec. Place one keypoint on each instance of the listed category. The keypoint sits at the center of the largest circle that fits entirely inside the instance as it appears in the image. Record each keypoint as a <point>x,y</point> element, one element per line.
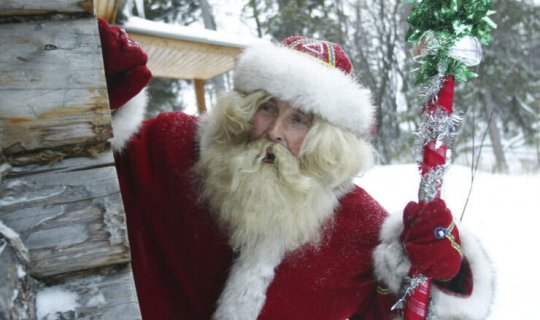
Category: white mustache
<point>269,152</point>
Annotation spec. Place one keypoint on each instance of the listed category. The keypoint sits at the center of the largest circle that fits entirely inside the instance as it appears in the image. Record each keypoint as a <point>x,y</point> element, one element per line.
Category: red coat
<point>181,259</point>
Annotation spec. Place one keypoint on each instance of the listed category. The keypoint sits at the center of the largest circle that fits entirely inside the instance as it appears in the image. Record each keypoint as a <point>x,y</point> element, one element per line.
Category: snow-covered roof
<point>193,34</point>
<point>186,52</point>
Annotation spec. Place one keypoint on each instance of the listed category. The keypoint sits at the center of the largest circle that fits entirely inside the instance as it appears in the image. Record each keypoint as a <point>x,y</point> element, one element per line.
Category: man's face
<point>278,121</point>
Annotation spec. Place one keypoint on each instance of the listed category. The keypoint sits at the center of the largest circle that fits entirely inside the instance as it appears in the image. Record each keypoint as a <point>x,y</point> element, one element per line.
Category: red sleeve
<point>378,307</point>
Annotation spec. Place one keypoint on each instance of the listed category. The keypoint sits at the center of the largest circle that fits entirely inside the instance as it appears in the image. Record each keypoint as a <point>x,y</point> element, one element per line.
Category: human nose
<point>276,131</point>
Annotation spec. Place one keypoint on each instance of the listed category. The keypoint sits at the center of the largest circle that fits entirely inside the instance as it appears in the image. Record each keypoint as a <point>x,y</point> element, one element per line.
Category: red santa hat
<point>314,76</point>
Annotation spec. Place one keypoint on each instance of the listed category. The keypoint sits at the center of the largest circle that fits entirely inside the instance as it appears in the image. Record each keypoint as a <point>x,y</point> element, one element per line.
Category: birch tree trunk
<point>494,136</point>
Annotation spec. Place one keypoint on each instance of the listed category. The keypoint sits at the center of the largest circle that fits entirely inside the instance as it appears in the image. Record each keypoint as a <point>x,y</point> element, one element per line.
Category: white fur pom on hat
<point>314,76</point>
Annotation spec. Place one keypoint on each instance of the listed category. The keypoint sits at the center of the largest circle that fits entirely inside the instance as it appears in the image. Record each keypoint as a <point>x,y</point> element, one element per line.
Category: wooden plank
<point>173,58</point>
<point>107,294</point>
<point>17,288</point>
<point>52,90</point>
<point>33,7</point>
<point>69,215</point>
<point>107,9</point>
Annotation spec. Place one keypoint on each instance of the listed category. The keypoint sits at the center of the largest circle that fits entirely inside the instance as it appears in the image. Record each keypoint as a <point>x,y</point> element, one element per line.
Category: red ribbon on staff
<point>417,304</point>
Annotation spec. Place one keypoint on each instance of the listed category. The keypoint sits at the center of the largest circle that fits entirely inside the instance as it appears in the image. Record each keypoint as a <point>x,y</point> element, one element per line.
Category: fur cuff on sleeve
<point>392,265</point>
<point>127,119</point>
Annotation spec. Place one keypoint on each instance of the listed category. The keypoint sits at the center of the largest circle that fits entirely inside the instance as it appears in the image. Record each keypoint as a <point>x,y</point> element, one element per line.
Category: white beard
<point>268,209</point>
<point>263,202</point>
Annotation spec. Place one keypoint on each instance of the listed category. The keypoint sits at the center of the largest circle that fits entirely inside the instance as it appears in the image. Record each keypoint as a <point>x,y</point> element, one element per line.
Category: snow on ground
<point>50,301</point>
<point>503,211</point>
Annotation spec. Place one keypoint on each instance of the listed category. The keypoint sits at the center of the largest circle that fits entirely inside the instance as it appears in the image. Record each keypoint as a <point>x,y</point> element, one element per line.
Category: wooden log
<point>33,7</point>
<point>63,209</point>
<point>17,288</point>
<point>106,294</point>
<point>69,215</point>
<point>53,93</point>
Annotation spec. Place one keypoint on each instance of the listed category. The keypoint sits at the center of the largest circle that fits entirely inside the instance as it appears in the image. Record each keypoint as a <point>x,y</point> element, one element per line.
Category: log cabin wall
<point>62,223</point>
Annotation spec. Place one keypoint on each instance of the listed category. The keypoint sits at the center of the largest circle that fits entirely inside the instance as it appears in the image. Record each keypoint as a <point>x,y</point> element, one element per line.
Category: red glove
<point>432,239</point>
<point>125,64</point>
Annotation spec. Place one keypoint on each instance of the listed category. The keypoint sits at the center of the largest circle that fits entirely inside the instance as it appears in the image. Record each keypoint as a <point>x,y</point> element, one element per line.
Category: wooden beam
<point>199,93</point>
<point>33,7</point>
<point>59,193</point>
<point>181,59</point>
<point>53,91</point>
<point>69,215</point>
<point>107,9</point>
<point>17,287</point>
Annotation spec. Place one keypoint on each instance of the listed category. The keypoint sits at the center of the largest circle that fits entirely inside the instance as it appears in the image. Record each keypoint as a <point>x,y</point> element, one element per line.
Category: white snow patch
<point>14,296</point>
<point>191,33</point>
<point>21,273</point>
<point>15,183</point>
<point>55,299</point>
<point>96,300</point>
<point>10,200</point>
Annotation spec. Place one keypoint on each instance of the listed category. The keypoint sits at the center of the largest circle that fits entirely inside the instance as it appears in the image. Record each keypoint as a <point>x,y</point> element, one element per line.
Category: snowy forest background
<point>500,108</point>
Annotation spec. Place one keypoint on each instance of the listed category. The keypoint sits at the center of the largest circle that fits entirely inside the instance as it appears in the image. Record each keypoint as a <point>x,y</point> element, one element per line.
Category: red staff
<point>432,169</point>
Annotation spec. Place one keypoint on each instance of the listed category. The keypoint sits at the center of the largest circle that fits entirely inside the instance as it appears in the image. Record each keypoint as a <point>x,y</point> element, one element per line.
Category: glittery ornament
<point>431,182</point>
<point>467,50</point>
<point>438,27</point>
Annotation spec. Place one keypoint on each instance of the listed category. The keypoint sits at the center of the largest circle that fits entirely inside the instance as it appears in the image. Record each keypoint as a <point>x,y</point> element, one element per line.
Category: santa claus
<point>250,212</point>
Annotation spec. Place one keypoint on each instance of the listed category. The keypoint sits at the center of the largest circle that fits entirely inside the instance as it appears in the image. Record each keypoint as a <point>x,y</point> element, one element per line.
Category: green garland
<point>447,21</point>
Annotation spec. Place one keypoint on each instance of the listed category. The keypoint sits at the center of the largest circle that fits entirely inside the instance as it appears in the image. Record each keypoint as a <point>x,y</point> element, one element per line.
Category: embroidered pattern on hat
<point>316,49</point>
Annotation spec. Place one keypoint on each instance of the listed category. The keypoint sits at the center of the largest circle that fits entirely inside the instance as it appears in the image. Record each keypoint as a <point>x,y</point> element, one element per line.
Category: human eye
<point>301,119</point>
<point>268,107</point>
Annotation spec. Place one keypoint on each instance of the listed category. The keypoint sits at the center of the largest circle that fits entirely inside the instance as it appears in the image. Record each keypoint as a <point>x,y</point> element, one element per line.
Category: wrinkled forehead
<point>285,106</point>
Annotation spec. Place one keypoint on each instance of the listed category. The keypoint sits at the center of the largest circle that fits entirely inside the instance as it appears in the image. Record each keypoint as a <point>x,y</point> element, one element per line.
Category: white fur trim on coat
<point>307,84</point>
<point>245,290</point>
<point>127,119</point>
<point>392,265</point>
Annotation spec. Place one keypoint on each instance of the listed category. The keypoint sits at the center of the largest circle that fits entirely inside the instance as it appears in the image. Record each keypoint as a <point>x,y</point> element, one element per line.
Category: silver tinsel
<point>436,126</point>
<point>408,287</point>
<point>431,182</point>
<point>430,91</point>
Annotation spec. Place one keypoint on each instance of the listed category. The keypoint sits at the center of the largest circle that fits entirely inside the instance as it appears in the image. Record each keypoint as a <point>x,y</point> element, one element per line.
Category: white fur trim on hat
<point>392,265</point>
<point>307,84</point>
<point>127,119</point>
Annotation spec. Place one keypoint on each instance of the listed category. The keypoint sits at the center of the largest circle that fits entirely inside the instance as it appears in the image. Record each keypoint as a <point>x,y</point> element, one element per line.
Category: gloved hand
<point>432,239</point>
<point>125,64</point>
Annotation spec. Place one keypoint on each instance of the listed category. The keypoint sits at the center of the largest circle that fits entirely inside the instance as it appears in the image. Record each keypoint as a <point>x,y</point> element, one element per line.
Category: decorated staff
<point>448,35</point>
